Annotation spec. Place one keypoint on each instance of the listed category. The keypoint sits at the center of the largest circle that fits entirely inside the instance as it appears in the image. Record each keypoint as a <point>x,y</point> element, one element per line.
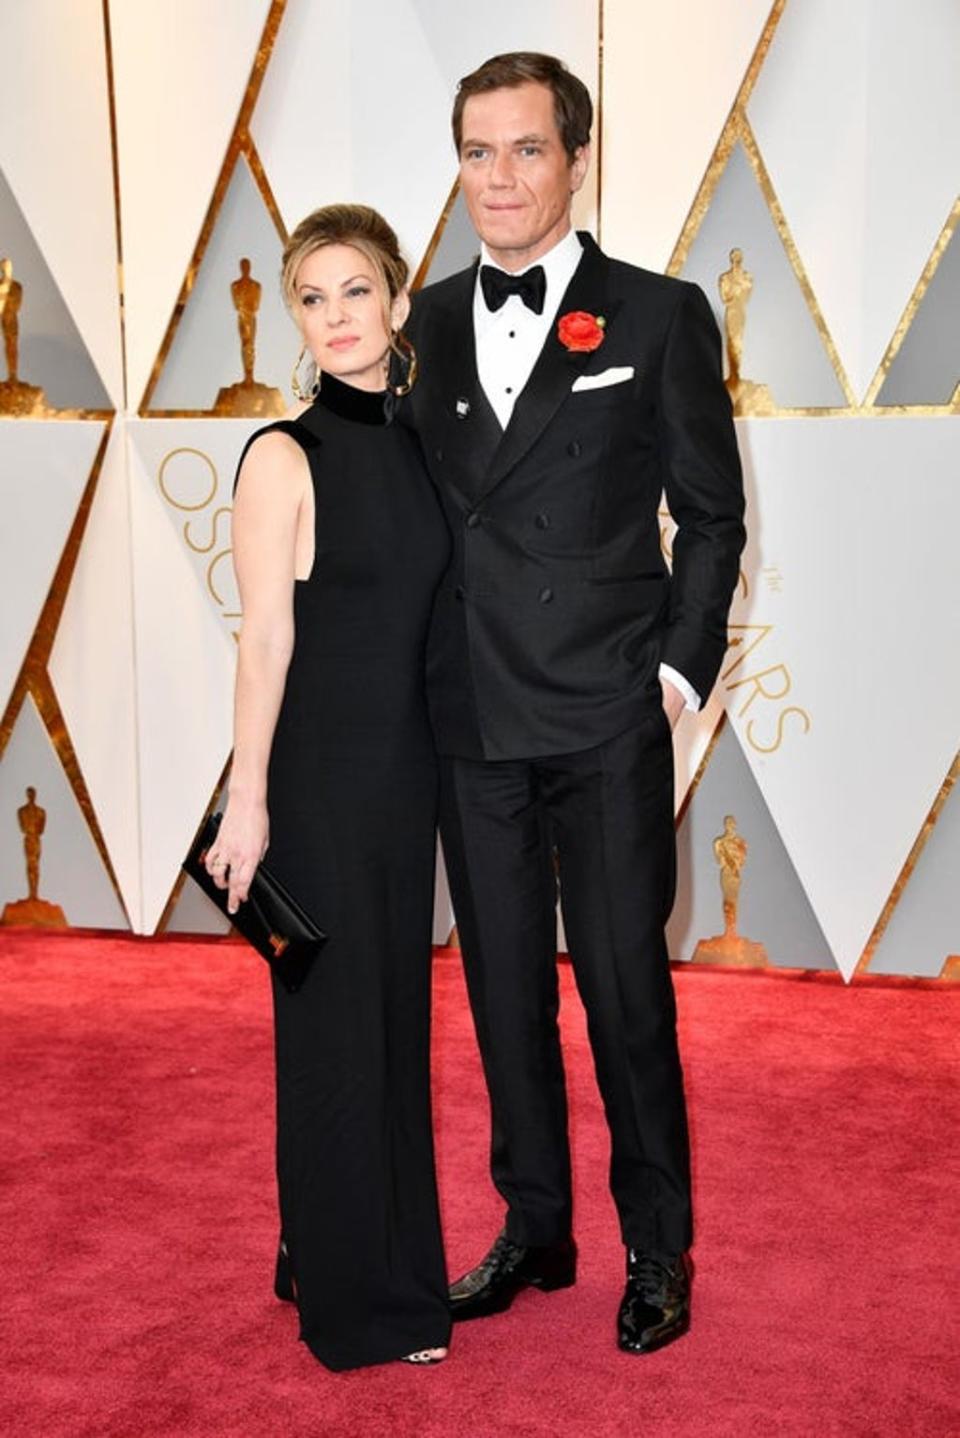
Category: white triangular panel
<point>92,669</point>
<point>670,76</point>
<point>844,688</point>
<point>191,466</point>
<point>44,467</point>
<point>55,150</point>
<point>857,114</point>
<point>390,94</point>
<point>305,169</point>
<point>185,666</point>
<point>180,74</point>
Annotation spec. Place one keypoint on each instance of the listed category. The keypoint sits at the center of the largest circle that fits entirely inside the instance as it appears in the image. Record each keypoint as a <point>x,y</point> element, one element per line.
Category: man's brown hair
<point>572,105</point>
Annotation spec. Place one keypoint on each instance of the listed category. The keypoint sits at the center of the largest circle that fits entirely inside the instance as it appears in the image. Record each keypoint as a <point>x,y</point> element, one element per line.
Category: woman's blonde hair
<point>365,230</point>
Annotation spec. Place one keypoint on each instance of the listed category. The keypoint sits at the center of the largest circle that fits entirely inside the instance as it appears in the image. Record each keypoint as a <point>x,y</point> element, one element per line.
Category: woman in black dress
<point>339,544</point>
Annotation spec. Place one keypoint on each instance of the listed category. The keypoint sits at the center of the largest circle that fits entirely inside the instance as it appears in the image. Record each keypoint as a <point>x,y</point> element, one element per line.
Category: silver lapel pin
<point>463,408</point>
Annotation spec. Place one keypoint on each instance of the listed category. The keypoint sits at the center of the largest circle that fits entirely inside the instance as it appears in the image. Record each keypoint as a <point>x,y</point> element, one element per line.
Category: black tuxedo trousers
<point>599,822</point>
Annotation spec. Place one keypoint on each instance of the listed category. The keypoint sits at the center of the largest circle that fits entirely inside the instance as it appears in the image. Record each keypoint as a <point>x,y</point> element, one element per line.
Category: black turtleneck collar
<point>363,406</point>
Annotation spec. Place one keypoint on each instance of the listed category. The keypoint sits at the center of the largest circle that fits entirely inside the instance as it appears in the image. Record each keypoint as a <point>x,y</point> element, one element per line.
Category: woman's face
<point>339,308</point>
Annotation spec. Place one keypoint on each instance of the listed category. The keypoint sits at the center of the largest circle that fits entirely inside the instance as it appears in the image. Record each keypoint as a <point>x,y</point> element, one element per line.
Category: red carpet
<point>138,1218</point>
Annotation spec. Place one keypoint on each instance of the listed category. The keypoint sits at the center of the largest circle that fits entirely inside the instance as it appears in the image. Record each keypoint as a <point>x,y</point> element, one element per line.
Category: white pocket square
<point>617,375</point>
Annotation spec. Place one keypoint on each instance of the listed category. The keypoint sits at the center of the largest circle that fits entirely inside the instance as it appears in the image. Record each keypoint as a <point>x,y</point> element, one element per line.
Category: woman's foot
<point>425,1357</point>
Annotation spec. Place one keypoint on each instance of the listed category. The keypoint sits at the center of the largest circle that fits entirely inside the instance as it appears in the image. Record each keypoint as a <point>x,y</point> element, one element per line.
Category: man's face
<point>515,175</point>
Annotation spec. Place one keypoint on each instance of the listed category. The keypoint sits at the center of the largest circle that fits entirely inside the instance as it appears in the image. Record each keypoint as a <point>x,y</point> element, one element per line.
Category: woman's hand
<point>237,850</point>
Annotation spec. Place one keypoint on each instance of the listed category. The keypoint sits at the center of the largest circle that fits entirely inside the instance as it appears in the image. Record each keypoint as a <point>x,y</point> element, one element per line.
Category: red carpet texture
<point>139,1229</point>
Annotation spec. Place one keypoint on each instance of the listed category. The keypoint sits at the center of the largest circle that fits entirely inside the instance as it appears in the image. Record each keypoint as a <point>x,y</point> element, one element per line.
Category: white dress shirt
<point>509,341</point>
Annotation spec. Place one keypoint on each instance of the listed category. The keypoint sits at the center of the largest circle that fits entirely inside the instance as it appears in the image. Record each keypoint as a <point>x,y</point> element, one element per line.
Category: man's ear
<point>400,309</point>
<point>578,167</point>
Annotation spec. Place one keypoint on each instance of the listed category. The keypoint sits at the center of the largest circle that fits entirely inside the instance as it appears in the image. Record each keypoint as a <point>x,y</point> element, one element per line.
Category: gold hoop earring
<point>407,355</point>
<point>295,385</point>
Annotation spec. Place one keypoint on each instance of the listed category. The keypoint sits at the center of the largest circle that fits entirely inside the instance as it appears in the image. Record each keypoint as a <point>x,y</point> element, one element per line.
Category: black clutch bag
<point>270,918</point>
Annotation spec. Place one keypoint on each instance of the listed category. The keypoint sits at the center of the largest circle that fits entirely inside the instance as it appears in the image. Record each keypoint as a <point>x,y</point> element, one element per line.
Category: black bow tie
<point>497,286</point>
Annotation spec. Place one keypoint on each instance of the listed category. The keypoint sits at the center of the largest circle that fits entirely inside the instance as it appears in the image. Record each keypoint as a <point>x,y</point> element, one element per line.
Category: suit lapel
<point>456,386</point>
<point>556,368</point>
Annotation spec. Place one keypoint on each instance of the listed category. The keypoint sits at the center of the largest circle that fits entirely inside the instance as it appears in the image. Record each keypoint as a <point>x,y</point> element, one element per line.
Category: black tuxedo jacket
<point>558,607</point>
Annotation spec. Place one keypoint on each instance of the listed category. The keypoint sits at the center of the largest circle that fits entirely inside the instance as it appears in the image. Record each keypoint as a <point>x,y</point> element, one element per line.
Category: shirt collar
<point>558,264</point>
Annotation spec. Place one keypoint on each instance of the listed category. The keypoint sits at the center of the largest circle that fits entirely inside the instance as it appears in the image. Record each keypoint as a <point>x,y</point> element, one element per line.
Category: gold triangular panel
<point>922,930</point>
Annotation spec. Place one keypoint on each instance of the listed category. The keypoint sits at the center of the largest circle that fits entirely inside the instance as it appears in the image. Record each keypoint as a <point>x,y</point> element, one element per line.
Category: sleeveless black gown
<point>351,800</point>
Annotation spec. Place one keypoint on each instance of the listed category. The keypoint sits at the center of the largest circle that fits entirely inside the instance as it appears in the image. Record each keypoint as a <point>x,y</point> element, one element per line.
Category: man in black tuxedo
<point>561,393</point>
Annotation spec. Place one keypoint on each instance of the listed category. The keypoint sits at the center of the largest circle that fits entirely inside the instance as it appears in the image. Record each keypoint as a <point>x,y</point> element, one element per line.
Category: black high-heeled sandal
<point>284,1285</point>
<point>423,1358</point>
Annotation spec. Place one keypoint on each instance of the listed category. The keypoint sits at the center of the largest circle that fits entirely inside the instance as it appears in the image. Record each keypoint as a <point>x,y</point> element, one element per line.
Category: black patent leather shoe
<point>509,1267</point>
<point>656,1304</point>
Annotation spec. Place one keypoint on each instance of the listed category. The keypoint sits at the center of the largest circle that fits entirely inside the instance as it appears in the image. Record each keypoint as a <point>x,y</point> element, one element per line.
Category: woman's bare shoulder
<point>274,459</point>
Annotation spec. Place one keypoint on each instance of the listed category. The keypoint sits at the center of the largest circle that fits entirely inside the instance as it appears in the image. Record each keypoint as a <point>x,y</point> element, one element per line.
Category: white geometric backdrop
<point>144,149</point>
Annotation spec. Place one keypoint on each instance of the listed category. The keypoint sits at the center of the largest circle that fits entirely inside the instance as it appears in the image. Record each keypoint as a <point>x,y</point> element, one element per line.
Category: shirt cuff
<point>690,695</point>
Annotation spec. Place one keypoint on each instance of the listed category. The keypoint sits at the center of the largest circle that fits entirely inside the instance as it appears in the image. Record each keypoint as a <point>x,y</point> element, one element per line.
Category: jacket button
<point>546,594</point>
<point>460,592</point>
<point>473,519</point>
<point>439,454</point>
<point>573,449</point>
<point>542,520</point>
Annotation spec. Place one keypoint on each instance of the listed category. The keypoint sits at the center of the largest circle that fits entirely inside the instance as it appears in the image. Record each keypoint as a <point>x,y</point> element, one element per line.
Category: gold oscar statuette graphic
<point>730,852</point>
<point>33,910</point>
<point>16,398</point>
<point>249,397</point>
<point>736,287</point>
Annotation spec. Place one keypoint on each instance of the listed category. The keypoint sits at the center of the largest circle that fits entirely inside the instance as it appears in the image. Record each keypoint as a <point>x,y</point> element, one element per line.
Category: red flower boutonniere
<point>579,332</point>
